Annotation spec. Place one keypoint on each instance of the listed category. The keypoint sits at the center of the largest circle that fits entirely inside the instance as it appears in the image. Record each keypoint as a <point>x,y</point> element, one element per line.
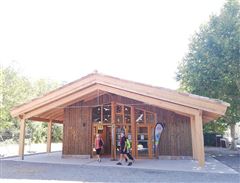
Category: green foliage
<point>43,86</point>
<point>37,131</point>
<point>218,127</point>
<point>57,134</point>
<point>212,65</point>
<point>14,90</point>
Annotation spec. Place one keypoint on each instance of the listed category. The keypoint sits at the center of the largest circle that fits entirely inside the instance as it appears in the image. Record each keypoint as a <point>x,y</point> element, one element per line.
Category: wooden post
<point>133,129</point>
<point>193,134</point>
<point>199,139</point>
<point>22,138</point>
<point>49,136</point>
<point>113,144</point>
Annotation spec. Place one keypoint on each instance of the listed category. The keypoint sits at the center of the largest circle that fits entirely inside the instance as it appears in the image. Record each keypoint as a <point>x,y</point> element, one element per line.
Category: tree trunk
<point>233,141</point>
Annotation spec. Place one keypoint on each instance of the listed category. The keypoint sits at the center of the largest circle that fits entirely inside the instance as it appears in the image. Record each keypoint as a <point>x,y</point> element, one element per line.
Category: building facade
<point>107,105</point>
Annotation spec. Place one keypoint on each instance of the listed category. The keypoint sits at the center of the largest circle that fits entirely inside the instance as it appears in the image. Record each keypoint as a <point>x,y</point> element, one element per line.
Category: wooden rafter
<point>47,113</point>
<point>54,114</point>
<point>149,100</point>
<point>53,96</point>
<point>45,120</point>
<point>64,100</point>
<point>165,94</point>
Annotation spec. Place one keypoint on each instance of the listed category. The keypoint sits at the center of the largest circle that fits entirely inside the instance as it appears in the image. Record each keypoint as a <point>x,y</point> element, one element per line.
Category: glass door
<point>142,142</point>
<point>145,122</point>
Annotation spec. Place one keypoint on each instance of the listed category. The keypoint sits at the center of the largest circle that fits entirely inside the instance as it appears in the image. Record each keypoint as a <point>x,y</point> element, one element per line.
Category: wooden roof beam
<point>189,100</point>
<point>54,95</point>
<point>78,95</point>
<point>44,120</point>
<point>150,100</point>
<point>98,94</point>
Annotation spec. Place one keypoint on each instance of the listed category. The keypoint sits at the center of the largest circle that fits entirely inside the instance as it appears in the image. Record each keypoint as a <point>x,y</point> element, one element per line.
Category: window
<point>150,117</point>
<point>139,116</point>
<point>96,114</point>
<point>127,114</point>
<point>118,109</point>
<point>123,114</point>
<point>107,113</point>
<point>119,118</point>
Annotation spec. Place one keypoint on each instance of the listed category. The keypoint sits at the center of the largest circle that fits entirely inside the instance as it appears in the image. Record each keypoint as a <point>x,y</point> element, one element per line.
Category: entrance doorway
<point>145,141</point>
<point>110,120</point>
<point>106,136</point>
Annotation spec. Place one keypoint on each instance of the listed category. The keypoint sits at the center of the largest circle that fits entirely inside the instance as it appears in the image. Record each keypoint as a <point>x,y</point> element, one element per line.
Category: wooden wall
<point>175,139</point>
<point>77,130</point>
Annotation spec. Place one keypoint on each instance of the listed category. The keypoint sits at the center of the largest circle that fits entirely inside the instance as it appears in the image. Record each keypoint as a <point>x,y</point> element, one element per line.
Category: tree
<point>212,65</point>
<point>14,90</point>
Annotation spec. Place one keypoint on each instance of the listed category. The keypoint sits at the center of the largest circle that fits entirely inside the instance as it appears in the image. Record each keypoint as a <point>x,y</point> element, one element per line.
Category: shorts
<point>122,151</point>
<point>98,151</point>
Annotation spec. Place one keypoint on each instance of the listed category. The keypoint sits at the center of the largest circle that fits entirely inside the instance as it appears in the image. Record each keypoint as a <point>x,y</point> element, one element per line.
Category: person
<point>98,146</point>
<point>128,145</point>
<point>123,150</point>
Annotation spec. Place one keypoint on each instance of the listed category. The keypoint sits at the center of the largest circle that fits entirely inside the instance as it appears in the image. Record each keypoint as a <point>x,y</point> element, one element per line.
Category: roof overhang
<point>50,106</point>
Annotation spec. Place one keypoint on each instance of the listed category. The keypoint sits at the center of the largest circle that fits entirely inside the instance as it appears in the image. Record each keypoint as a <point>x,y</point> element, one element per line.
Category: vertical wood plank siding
<point>76,130</point>
<point>175,139</point>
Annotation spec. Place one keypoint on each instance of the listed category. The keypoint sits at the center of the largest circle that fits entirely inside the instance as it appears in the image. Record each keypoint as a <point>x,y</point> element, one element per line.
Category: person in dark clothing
<point>123,150</point>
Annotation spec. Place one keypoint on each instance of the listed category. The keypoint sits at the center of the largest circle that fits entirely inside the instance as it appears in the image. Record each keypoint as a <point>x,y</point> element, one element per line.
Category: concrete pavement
<point>212,165</point>
<point>19,171</point>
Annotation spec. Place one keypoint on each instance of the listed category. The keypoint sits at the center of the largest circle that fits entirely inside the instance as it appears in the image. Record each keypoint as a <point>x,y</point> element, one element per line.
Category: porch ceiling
<point>57,114</point>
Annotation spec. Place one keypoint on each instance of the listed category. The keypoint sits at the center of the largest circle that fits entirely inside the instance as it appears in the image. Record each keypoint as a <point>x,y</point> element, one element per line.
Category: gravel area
<point>84,173</point>
<point>228,157</point>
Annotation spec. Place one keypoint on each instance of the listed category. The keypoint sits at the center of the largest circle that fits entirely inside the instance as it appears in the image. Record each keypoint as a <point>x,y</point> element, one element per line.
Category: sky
<point>139,40</point>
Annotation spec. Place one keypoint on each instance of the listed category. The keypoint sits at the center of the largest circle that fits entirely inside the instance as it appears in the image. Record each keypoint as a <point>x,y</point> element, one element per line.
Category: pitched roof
<point>91,84</point>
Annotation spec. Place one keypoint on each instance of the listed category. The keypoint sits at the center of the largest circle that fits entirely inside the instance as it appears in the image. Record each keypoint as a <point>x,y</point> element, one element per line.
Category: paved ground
<point>211,165</point>
<point>85,173</point>
<point>43,167</point>
<point>226,156</point>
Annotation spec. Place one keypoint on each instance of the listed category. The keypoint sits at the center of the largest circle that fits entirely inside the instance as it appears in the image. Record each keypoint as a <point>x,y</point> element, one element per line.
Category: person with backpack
<point>98,146</point>
<point>128,146</point>
<point>123,150</point>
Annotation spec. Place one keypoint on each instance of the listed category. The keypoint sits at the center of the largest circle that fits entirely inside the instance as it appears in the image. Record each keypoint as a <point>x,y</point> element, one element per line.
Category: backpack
<point>100,143</point>
<point>128,144</point>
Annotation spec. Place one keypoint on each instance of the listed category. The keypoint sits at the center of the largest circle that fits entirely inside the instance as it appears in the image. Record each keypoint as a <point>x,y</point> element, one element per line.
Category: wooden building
<point>104,104</point>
